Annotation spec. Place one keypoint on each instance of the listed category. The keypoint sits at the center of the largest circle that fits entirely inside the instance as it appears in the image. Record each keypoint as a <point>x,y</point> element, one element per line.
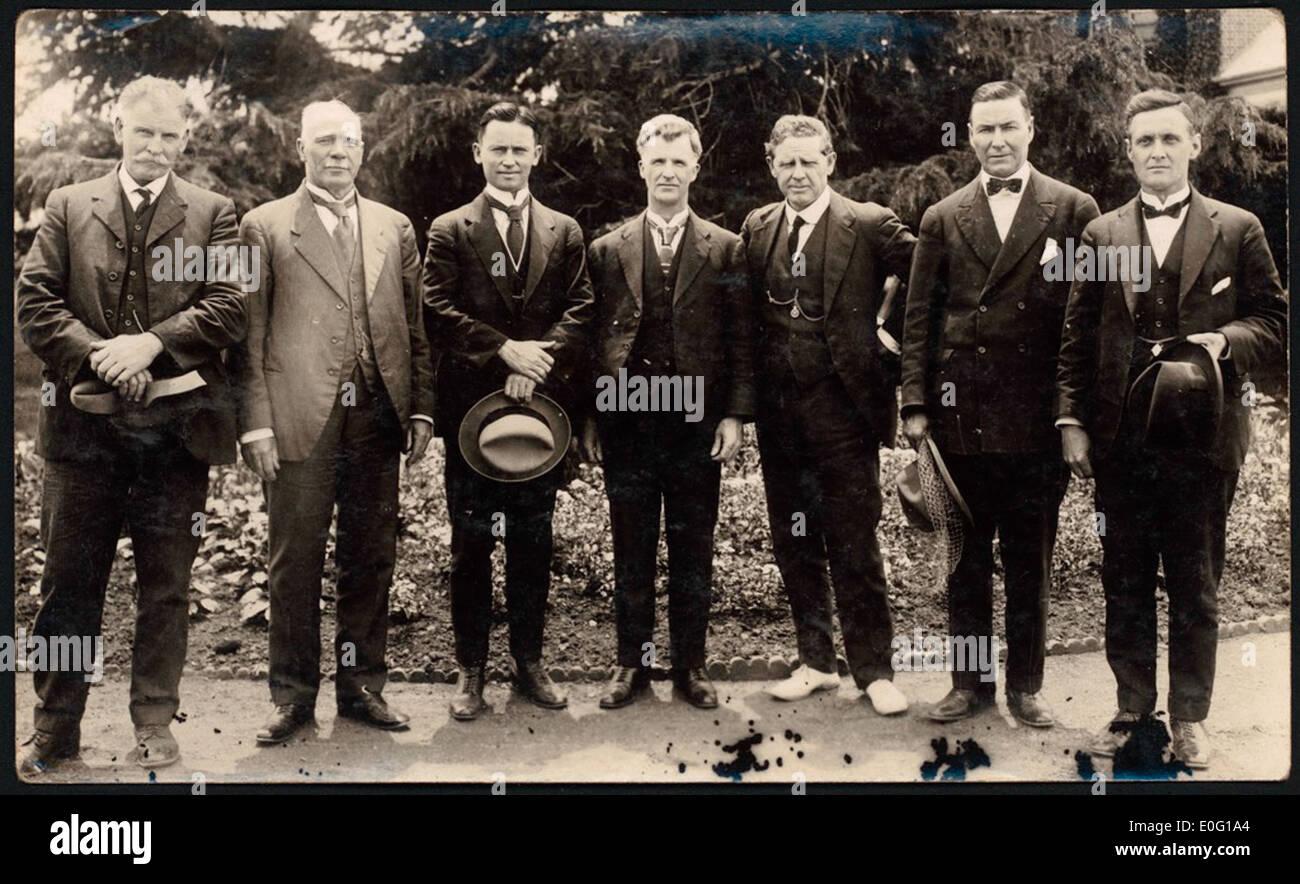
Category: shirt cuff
<point>254,435</point>
<point>1067,421</point>
<point>422,417</point>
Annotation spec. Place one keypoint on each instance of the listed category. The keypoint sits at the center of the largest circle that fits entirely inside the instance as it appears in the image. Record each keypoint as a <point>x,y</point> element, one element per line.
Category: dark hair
<point>509,112</point>
<point>1000,89</point>
<point>1156,99</point>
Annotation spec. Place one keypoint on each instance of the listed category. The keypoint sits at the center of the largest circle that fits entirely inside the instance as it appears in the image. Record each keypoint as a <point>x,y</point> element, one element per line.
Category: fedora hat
<point>911,488</point>
<point>513,441</point>
<point>1177,400</point>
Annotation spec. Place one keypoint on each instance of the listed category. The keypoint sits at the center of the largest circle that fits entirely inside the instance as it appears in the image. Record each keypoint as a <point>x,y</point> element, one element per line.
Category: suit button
<point>120,244</point>
<point>127,323</point>
<point>108,314</point>
<point>112,275</point>
<point>1020,304</point>
<point>133,273</point>
<point>333,371</point>
<point>1021,348</point>
<point>1160,300</point>
<point>138,227</point>
<point>130,297</point>
<point>338,306</point>
<point>636,312</point>
<point>334,340</point>
<point>983,308</point>
<point>980,350</point>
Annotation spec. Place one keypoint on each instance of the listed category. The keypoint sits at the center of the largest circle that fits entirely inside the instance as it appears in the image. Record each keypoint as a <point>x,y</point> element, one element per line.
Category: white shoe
<point>885,698</point>
<point>802,682</point>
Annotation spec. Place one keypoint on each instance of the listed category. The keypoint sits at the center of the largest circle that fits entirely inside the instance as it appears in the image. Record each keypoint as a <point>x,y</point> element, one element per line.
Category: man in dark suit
<point>507,302</point>
<point>1212,282</point>
<point>95,302</point>
<point>817,263</point>
<point>336,381</point>
<point>670,307</point>
<point>982,333</point>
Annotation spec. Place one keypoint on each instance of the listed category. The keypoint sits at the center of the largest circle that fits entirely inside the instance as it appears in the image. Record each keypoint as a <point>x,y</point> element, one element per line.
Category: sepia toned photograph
<point>727,399</point>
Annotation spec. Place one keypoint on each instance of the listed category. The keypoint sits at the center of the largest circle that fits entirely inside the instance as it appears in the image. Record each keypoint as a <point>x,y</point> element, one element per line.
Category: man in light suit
<point>817,265</point>
<point>336,382</point>
<point>1212,282</point>
<point>979,366</point>
<point>94,304</point>
<point>507,303</point>
<point>671,304</point>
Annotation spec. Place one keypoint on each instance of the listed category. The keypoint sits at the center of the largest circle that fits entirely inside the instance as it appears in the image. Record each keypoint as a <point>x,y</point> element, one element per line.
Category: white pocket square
<point>1221,285</point>
<point>1050,251</point>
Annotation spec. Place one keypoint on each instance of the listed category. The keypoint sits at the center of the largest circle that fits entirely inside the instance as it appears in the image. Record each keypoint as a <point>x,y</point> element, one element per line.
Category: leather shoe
<point>155,746</point>
<point>370,708</point>
<point>957,704</point>
<point>628,683</point>
<point>1030,709</point>
<point>531,680</point>
<point>695,686</point>
<point>1106,742</point>
<point>44,749</point>
<point>1191,743</point>
<point>468,703</point>
<point>285,722</point>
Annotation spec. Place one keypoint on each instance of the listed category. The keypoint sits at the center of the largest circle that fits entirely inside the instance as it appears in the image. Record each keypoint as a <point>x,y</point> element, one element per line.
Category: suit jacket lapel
<point>106,203</point>
<point>767,236</point>
<point>170,211</point>
<point>541,240</point>
<point>375,242</point>
<point>491,250</point>
<point>1032,216</point>
<point>975,221</point>
<point>313,243</point>
<point>839,248</point>
<point>1202,230</point>
<point>695,253</point>
<point>1129,233</point>
<point>631,255</point>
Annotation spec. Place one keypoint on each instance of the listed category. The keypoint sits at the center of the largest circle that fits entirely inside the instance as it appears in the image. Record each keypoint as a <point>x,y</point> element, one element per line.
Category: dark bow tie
<point>1171,210</point>
<point>998,184</point>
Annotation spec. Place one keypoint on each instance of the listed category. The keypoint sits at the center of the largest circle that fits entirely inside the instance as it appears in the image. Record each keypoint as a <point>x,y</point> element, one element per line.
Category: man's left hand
<point>1215,342</point>
<point>121,357</point>
<point>726,439</point>
<point>417,440</point>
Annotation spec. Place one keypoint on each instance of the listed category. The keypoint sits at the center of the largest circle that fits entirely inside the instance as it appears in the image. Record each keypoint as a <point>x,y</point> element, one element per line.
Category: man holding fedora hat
<point>670,306</point>
<point>1163,426</point>
<point>980,341</point>
<point>507,303</point>
<point>337,382</point>
<point>139,407</point>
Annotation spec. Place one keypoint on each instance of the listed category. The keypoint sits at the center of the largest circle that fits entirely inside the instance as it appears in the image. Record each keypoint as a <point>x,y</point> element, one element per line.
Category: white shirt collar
<point>812,213</point>
<point>130,185</point>
<point>326,195</point>
<point>675,221</point>
<point>1154,201</point>
<point>1022,173</point>
<point>509,199</point>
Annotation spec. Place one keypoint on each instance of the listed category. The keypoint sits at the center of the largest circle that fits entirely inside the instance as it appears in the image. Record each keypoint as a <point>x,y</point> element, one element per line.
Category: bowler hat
<point>513,441</point>
<point>1177,400</point>
<point>912,485</point>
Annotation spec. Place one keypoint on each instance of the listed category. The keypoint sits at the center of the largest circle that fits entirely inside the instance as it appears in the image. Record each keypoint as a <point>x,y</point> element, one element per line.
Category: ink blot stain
<point>681,767</point>
<point>745,760</point>
<point>848,759</point>
<point>1084,762</point>
<point>1143,755</point>
<point>969,755</point>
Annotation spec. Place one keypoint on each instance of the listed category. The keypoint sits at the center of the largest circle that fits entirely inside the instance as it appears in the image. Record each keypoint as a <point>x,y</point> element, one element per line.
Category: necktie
<point>515,230</point>
<point>1171,210</point>
<point>345,239</point>
<point>792,241</point>
<point>146,196</point>
<point>999,184</point>
<point>665,246</point>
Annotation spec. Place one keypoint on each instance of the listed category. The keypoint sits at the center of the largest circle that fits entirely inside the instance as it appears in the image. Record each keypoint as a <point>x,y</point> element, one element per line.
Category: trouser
<point>1162,507</point>
<point>481,510</point>
<point>157,488</point>
<point>652,458</point>
<point>821,474</point>
<point>355,464</point>
<point>1018,498</point>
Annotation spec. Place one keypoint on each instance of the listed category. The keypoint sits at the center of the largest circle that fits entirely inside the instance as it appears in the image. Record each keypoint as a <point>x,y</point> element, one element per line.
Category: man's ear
<point>302,151</point>
<point>117,129</point>
<point>1030,129</point>
<point>830,164</point>
<point>477,151</point>
<point>1196,145</point>
<point>537,154</point>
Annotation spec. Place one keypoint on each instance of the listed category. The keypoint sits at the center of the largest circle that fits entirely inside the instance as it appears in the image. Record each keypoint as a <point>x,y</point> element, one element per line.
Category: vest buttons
<point>135,248</point>
<point>981,350</point>
<point>133,273</point>
<point>138,227</point>
<point>984,308</point>
<point>1021,348</point>
<point>130,297</point>
<point>1020,305</point>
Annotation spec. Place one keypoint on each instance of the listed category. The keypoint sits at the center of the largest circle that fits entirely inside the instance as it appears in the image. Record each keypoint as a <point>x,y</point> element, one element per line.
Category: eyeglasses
<point>796,310</point>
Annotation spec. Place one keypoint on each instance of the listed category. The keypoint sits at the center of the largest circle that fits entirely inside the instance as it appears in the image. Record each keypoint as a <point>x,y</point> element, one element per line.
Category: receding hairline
<point>316,108</point>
